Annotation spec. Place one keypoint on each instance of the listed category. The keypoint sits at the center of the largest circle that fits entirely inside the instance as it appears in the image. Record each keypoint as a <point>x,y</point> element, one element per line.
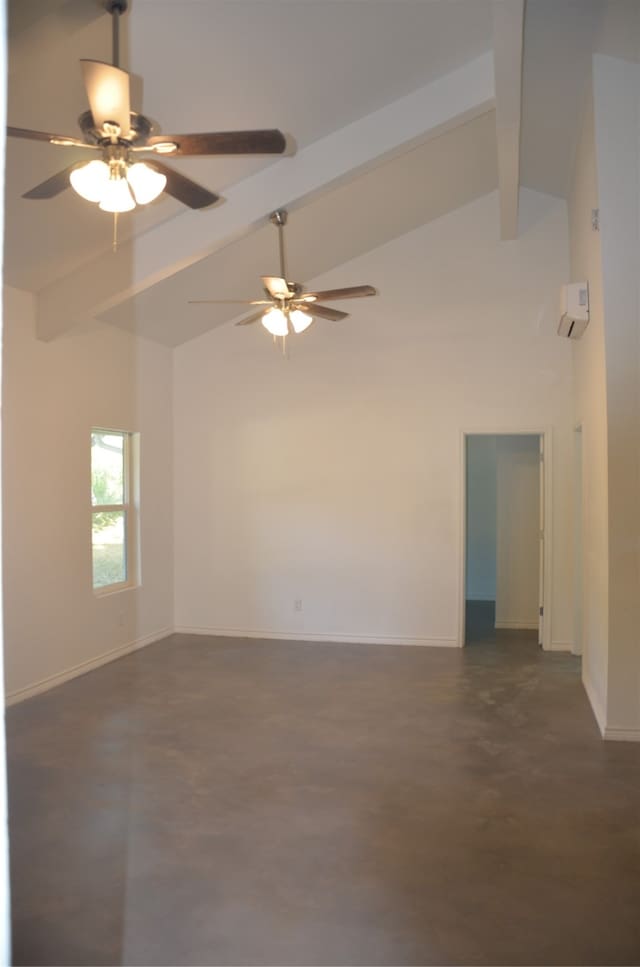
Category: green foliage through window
<point>109,452</point>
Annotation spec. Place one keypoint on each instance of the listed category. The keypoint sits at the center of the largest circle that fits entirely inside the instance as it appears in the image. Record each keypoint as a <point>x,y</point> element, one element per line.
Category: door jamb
<point>546,435</point>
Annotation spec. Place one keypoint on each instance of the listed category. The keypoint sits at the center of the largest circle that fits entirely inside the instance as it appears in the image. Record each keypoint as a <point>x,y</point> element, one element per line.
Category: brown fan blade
<point>249,319</point>
<point>60,139</point>
<point>353,292</point>
<point>229,302</point>
<point>184,189</point>
<point>52,186</point>
<point>276,287</point>
<point>269,141</point>
<point>323,312</point>
<point>108,94</point>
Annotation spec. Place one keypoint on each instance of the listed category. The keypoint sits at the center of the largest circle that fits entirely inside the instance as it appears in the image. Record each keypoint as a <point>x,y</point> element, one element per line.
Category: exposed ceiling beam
<point>172,246</point>
<point>508,43</point>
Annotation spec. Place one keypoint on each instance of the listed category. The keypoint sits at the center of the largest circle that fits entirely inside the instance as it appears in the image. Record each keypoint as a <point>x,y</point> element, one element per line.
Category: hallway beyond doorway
<point>481,628</point>
<point>505,479</point>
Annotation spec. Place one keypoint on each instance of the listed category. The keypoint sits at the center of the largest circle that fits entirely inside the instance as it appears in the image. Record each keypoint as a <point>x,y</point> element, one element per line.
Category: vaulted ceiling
<point>392,109</point>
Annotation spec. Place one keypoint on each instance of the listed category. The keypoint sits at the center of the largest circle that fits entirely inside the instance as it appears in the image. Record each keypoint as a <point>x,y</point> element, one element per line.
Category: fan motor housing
<point>141,129</point>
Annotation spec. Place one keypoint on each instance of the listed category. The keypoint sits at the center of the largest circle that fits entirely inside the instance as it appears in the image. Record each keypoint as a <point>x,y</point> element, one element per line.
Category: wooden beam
<point>508,44</point>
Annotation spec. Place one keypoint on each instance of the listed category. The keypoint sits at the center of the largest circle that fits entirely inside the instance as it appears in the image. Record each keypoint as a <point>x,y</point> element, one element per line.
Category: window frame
<point>128,508</point>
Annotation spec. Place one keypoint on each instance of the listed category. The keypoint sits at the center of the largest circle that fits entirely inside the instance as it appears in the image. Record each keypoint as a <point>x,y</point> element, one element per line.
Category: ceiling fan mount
<point>115,6</point>
<point>279,218</point>
<point>117,179</point>
<point>289,310</point>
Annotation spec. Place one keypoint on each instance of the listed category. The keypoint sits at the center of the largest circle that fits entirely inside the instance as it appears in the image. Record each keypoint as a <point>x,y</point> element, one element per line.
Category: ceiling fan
<point>116,180</point>
<point>291,309</point>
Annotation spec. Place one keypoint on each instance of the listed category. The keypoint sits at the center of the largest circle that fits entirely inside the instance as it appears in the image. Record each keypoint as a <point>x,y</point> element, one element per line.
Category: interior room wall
<point>481,518</point>
<point>517,529</point>
<point>334,478</point>
<point>54,393</point>
<point>607,383</point>
<point>590,412</point>
<point>5,925</point>
<point>616,86</point>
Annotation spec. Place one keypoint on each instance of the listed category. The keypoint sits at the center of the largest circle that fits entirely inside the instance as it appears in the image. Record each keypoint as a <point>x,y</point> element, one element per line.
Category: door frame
<point>545,434</point>
<point>578,540</point>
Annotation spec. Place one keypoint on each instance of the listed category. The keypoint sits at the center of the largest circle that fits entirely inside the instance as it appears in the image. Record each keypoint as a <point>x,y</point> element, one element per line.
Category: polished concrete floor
<point>212,801</point>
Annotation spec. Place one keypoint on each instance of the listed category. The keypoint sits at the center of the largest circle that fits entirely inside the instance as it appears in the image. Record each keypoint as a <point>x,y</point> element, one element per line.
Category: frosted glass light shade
<point>300,320</point>
<point>116,196</point>
<point>275,322</point>
<point>90,180</point>
<point>146,183</point>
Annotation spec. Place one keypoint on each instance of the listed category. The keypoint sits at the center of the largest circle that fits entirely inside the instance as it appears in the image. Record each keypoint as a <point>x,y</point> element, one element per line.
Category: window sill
<point>110,589</point>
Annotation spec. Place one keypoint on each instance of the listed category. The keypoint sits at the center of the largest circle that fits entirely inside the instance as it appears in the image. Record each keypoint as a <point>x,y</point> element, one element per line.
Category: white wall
<point>336,477</point>
<point>518,527</point>
<point>481,519</point>
<point>607,391</point>
<point>53,394</point>
<point>590,412</point>
<point>616,85</point>
<point>5,926</point>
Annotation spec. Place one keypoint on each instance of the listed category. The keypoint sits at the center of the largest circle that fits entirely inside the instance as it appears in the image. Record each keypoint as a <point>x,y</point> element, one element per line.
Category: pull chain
<point>114,245</point>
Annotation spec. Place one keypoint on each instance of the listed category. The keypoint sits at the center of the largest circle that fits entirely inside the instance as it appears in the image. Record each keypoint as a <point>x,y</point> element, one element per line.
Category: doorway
<point>504,552</point>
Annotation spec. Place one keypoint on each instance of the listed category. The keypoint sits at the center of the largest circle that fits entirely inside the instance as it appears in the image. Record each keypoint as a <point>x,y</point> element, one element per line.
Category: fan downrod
<point>116,8</point>
<point>279,219</point>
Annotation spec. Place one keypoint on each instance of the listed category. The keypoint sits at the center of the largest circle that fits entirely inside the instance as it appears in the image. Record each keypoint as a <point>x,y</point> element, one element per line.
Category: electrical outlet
<point>297,604</point>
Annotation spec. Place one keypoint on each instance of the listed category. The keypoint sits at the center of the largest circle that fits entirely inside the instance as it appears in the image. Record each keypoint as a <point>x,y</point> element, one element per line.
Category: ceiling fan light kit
<point>117,197</point>
<point>299,320</point>
<point>275,321</point>
<point>279,322</point>
<point>290,310</point>
<point>146,184</point>
<point>117,187</point>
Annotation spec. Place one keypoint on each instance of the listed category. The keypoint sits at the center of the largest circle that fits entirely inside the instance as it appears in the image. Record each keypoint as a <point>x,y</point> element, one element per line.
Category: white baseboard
<point>621,735</point>
<point>596,705</point>
<point>561,646</point>
<point>20,694</point>
<point>522,624</point>
<point>328,638</point>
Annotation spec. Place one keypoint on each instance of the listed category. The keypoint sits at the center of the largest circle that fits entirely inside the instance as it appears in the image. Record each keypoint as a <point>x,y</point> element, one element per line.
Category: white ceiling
<point>309,67</point>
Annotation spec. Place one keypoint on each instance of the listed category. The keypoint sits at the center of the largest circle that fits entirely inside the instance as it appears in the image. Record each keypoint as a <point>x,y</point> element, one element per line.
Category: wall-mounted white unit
<point>574,309</point>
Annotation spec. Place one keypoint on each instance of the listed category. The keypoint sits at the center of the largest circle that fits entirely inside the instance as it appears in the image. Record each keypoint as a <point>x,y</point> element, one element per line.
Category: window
<point>113,524</point>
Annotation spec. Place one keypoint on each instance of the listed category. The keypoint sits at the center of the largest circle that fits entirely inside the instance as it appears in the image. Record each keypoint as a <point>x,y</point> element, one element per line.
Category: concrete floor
<point>212,801</point>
